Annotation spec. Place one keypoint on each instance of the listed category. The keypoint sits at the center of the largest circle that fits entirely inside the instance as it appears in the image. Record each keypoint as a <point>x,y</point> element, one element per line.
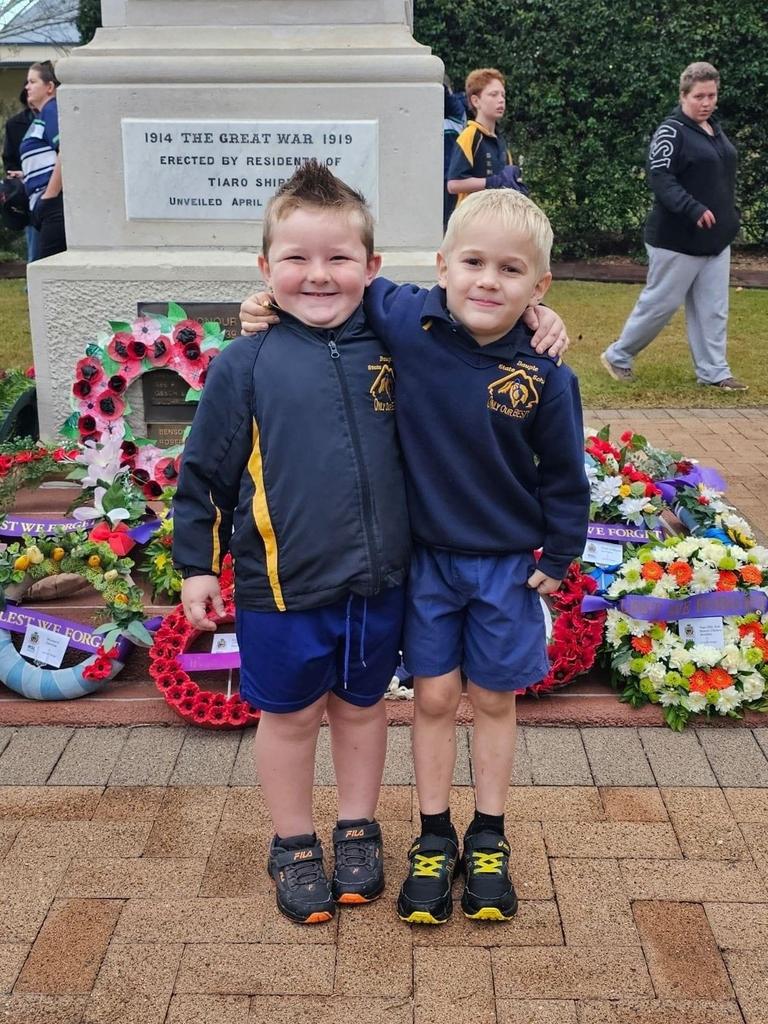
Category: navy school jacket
<point>293,447</point>
<point>492,435</point>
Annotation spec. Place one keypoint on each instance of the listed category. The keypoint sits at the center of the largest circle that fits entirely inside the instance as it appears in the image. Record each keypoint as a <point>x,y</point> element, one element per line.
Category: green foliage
<point>88,19</point>
<point>588,81</point>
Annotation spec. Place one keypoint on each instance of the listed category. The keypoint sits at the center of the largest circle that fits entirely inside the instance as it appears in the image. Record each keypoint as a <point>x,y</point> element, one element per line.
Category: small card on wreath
<point>44,646</point>
<point>603,553</point>
<point>709,631</point>
<point>224,643</point>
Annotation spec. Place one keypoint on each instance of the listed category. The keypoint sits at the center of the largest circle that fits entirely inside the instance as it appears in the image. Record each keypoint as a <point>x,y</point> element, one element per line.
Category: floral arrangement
<point>690,580</point>
<point>207,708</point>
<point>158,564</point>
<point>703,511</point>
<point>24,464</point>
<point>26,561</point>
<point>115,359</point>
<point>576,637</point>
<point>623,480</point>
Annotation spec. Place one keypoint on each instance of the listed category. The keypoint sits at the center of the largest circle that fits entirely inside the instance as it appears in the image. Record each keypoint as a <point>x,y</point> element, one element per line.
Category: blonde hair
<point>699,71</point>
<point>313,185</point>
<point>509,209</point>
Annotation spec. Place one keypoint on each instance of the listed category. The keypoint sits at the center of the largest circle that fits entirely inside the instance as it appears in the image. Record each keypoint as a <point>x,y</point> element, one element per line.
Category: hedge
<point>587,83</point>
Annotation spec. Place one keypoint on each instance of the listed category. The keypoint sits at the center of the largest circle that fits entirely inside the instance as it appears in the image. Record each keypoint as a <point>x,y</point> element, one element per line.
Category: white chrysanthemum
<point>758,555</point>
<point>753,687</point>
<point>664,555</point>
<point>631,510</point>
<point>612,621</point>
<point>731,658</point>
<point>631,569</point>
<point>591,472</point>
<point>665,586</point>
<point>602,492</point>
<point>705,656</point>
<point>727,700</point>
<point>685,548</point>
<point>679,657</point>
<point>624,669</point>
<point>731,633</point>
<point>666,644</point>
<point>669,698</point>
<point>637,627</point>
<point>746,641</point>
<point>704,580</point>
<point>711,552</point>
<point>695,701</point>
<point>656,672</point>
<point>619,587</point>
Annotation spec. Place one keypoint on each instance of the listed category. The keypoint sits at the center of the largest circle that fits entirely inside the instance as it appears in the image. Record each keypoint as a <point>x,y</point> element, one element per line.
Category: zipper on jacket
<point>364,485</point>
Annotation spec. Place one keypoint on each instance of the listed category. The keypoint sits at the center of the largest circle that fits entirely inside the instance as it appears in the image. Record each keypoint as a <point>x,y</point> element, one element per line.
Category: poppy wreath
<point>576,636</point>
<point>685,671</point>
<point>29,560</point>
<point>207,708</point>
<point>116,359</point>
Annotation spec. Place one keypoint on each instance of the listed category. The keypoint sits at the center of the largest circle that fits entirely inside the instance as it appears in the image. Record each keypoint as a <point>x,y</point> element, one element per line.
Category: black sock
<point>353,822</point>
<point>486,823</point>
<point>297,842</point>
<point>437,824</point>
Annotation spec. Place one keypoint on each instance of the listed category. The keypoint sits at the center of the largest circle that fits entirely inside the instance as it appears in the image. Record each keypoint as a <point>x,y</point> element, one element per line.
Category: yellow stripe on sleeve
<point>262,518</point>
<point>216,557</point>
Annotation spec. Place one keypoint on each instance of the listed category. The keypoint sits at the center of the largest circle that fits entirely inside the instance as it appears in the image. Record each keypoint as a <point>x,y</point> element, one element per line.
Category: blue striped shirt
<point>39,149</point>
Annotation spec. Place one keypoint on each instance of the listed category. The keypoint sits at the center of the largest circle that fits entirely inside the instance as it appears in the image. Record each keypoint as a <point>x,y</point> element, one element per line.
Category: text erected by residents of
<point>228,170</point>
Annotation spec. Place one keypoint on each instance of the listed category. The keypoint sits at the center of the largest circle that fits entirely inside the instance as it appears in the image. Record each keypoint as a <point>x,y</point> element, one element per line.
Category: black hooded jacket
<point>689,172</point>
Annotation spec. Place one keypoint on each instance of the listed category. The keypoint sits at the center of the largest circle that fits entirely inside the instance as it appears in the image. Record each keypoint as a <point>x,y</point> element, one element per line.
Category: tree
<point>48,21</point>
<point>89,19</point>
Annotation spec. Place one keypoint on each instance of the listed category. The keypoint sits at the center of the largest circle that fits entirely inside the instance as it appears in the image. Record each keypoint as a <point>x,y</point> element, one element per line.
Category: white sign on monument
<point>228,170</point>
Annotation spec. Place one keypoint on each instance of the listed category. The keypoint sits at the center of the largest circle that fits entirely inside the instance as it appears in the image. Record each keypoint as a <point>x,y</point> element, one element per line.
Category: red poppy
<point>137,349</point>
<point>90,370</point>
<point>81,388</point>
<point>117,383</point>
<point>166,471</point>
<point>164,680</point>
<point>174,693</point>
<point>86,424</point>
<point>151,490</point>
<point>118,348</point>
<point>110,406</point>
<point>159,351</point>
<point>188,332</point>
<point>200,714</point>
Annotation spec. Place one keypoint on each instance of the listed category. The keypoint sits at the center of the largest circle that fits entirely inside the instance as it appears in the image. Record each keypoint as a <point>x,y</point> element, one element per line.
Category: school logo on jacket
<point>383,388</point>
<point>515,394</point>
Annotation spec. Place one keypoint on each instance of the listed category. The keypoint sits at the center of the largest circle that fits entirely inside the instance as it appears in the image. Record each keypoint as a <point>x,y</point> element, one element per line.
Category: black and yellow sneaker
<point>358,874</point>
<point>425,896</point>
<point>488,891</point>
<point>303,892</point>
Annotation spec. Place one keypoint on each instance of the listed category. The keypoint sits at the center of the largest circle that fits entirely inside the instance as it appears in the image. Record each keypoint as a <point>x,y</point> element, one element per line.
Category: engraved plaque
<point>166,435</point>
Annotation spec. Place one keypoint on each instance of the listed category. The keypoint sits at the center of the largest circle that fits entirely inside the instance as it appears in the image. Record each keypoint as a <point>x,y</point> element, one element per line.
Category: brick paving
<point>133,887</point>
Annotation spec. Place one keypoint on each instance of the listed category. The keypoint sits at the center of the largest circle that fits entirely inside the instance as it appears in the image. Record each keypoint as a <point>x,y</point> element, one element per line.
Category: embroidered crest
<point>383,388</point>
<point>515,394</point>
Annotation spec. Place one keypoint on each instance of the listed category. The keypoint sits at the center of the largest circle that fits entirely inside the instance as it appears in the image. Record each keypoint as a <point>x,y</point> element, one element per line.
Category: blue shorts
<point>350,648</point>
<point>475,612</point>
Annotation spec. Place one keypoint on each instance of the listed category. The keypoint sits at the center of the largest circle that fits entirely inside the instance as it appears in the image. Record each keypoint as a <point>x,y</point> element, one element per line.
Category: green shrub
<point>88,19</point>
<point>588,81</point>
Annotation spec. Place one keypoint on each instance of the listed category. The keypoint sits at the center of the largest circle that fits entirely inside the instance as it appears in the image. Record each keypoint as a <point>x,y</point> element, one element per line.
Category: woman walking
<point>692,173</point>
<point>41,161</point>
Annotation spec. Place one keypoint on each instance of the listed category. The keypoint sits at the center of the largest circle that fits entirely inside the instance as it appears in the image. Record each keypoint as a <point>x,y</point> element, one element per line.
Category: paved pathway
<point>133,887</point>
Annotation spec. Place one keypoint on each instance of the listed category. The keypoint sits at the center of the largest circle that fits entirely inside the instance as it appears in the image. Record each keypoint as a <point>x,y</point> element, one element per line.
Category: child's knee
<point>494,703</point>
<point>436,699</point>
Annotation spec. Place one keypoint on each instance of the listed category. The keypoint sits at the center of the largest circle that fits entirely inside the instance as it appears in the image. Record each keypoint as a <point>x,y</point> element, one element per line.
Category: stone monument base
<point>73,296</point>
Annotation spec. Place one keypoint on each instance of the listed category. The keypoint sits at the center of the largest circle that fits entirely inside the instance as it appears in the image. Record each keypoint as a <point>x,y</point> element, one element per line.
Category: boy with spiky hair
<point>481,158</point>
<point>293,468</point>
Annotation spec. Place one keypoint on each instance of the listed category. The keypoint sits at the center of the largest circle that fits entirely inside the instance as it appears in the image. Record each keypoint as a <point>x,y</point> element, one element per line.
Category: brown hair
<point>314,185</point>
<point>46,72</point>
<point>478,79</point>
<point>699,71</point>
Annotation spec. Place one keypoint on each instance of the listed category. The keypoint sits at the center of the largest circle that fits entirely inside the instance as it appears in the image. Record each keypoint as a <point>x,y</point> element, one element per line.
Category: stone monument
<point>182,117</point>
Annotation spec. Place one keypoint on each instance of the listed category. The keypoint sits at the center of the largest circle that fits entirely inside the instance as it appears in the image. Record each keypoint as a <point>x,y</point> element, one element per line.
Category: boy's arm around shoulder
<point>393,310</point>
<point>557,437</point>
<point>215,456</point>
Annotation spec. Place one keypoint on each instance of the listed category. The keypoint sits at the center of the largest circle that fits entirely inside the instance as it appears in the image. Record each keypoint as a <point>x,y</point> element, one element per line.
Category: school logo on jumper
<point>662,147</point>
<point>515,394</point>
<point>383,388</point>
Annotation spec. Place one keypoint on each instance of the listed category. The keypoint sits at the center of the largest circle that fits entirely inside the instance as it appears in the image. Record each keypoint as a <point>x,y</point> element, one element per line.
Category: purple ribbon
<point>618,533</point>
<point>698,475</point>
<point>35,526</point>
<point>144,531</point>
<point>699,606</point>
<point>209,662</point>
<point>17,620</point>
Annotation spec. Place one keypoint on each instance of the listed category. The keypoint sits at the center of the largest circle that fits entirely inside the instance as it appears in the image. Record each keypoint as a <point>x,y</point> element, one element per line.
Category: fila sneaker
<point>358,874</point>
<point>303,892</point>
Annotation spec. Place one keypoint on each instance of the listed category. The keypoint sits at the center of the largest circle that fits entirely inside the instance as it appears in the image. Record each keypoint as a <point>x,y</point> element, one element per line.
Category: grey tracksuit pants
<point>673,278</point>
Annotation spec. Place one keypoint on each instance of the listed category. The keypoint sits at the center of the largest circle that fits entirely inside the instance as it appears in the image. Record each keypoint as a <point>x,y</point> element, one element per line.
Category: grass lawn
<point>594,313</point>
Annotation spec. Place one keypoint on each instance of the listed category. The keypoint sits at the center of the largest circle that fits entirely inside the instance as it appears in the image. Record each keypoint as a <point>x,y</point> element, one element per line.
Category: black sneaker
<point>488,891</point>
<point>425,897</point>
<point>358,874</point>
<point>303,892</point>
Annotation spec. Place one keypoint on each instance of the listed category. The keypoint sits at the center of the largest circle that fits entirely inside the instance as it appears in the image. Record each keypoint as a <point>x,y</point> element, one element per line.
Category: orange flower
<point>642,644</point>
<point>751,627</point>
<point>751,574</point>
<point>761,643</point>
<point>682,572</point>
<point>719,679</point>
<point>727,580</point>
<point>652,571</point>
<point>699,682</point>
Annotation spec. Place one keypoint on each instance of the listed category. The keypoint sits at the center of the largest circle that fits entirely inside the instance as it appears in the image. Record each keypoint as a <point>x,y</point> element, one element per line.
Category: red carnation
<point>626,437</point>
